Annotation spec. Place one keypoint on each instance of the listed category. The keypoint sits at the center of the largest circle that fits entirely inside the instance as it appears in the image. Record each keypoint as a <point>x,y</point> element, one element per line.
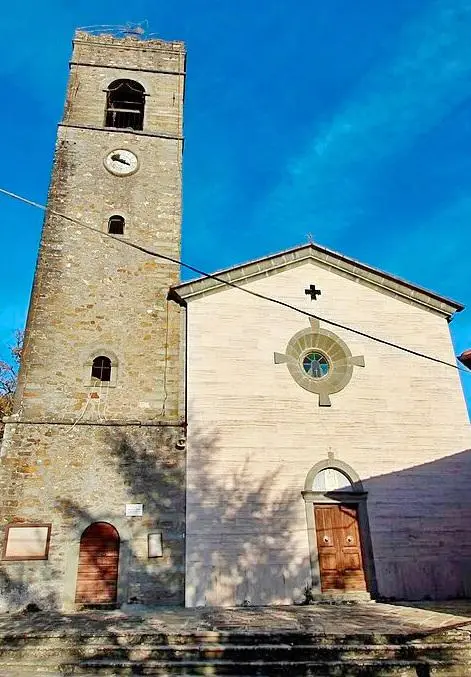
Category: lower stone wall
<point>72,476</point>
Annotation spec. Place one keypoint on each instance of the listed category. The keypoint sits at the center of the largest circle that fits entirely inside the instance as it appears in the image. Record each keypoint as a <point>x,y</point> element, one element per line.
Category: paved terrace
<point>329,619</point>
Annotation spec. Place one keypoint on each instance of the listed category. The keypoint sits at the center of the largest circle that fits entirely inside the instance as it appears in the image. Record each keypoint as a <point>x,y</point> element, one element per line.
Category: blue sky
<point>347,120</point>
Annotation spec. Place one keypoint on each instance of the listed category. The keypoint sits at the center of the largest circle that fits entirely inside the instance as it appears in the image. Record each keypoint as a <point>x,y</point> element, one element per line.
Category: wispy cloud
<point>326,185</point>
<point>435,249</point>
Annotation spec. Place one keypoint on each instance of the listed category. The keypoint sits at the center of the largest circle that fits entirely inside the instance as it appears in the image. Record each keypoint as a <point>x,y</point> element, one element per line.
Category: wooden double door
<point>97,578</point>
<point>339,548</point>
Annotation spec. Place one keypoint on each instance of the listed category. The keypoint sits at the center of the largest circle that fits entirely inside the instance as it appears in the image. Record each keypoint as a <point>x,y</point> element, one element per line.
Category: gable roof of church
<point>328,258</point>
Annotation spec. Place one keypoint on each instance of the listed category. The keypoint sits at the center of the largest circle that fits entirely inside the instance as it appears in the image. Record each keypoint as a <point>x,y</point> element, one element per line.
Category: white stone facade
<point>254,434</point>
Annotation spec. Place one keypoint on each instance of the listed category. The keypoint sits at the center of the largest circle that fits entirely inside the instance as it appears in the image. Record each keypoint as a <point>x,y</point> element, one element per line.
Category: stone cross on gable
<point>313,292</point>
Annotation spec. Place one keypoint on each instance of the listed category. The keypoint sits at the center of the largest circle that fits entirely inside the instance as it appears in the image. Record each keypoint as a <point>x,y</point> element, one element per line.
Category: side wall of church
<point>254,433</point>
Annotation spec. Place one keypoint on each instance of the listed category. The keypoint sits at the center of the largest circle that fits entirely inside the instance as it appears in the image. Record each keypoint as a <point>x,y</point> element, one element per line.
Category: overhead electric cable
<point>188,266</point>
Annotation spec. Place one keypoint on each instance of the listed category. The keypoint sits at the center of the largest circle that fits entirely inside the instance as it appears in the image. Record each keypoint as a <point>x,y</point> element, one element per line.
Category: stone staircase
<point>445,653</point>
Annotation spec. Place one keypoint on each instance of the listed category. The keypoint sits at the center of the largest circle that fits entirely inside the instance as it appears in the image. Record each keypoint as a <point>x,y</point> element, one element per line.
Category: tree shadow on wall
<point>244,544</point>
<point>238,524</point>
<point>420,518</point>
<point>15,593</point>
<point>241,545</point>
<point>16,635</point>
<point>152,470</point>
<point>142,473</point>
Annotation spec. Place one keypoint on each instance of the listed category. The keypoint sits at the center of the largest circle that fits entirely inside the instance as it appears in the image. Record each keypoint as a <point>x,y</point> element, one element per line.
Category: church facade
<point>321,461</point>
<point>228,440</point>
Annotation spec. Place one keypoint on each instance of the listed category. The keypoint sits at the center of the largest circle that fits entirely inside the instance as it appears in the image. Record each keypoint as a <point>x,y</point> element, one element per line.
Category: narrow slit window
<point>116,225</point>
<point>125,102</point>
<point>101,368</point>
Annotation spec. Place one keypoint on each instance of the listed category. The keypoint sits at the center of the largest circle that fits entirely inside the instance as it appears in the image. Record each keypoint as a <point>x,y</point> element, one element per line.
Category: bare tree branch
<point>9,377</point>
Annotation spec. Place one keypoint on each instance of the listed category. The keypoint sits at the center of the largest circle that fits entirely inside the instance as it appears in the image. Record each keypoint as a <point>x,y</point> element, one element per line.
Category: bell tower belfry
<point>96,435</point>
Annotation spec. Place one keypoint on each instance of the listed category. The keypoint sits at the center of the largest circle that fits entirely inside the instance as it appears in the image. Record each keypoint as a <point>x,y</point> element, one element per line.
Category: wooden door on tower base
<point>339,548</point>
<point>97,577</point>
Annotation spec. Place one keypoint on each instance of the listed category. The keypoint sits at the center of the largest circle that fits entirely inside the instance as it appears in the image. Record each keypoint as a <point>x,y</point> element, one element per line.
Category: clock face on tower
<point>121,162</point>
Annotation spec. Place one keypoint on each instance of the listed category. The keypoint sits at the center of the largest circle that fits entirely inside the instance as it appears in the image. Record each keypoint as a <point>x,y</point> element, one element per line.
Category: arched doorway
<point>97,577</point>
<point>340,546</point>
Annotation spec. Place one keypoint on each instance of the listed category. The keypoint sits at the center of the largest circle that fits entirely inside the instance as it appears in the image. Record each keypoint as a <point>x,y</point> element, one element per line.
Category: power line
<point>211,276</point>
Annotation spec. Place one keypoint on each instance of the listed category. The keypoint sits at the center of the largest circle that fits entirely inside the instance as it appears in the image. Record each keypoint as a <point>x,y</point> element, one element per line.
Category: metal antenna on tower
<point>136,29</point>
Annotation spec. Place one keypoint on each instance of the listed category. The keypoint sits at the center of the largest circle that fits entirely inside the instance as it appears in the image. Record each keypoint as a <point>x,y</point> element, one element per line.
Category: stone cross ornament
<point>312,292</point>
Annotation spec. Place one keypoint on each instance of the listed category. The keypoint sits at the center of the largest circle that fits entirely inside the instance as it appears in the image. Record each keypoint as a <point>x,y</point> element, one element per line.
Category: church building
<point>271,434</point>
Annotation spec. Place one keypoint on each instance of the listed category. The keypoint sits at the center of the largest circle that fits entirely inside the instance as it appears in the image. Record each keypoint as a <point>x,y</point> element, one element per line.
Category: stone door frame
<point>356,496</point>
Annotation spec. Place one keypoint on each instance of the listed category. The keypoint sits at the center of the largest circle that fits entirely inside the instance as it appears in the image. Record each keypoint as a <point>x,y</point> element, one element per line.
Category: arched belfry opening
<point>125,103</point>
<point>97,577</point>
<point>338,531</point>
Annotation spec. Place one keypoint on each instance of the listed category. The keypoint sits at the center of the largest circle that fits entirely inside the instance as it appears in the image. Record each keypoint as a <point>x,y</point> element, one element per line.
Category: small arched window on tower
<point>116,225</point>
<point>101,368</point>
<point>125,102</point>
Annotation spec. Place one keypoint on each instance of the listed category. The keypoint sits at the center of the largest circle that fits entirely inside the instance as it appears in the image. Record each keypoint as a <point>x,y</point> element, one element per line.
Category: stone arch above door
<point>335,464</point>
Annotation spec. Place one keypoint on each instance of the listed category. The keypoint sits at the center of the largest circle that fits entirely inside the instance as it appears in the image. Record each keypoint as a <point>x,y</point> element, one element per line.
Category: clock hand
<point>118,158</point>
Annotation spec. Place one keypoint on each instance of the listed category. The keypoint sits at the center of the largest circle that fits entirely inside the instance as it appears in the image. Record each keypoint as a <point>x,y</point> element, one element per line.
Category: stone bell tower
<point>92,484</point>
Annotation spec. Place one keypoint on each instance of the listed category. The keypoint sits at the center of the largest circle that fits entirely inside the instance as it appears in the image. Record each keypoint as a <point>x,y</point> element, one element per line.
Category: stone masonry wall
<point>95,294</point>
<point>162,114</point>
<point>73,476</point>
<point>109,51</point>
<point>76,451</point>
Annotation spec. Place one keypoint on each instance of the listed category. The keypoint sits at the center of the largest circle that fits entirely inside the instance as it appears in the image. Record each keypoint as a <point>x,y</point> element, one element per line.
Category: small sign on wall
<point>155,546</point>
<point>134,509</point>
<point>26,541</point>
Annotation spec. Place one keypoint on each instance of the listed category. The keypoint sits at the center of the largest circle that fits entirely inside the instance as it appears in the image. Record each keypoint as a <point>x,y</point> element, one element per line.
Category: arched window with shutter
<point>101,368</point>
<point>116,225</point>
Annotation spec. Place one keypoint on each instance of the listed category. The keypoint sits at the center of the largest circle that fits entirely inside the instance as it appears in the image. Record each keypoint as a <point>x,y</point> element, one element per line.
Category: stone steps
<point>443,653</point>
<point>361,668</point>
<point>224,637</point>
<point>233,652</point>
